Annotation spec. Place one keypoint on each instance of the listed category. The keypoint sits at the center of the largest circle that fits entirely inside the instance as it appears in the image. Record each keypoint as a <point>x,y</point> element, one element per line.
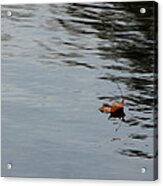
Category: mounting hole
<point>142,10</point>
<point>9,13</point>
<point>143,170</point>
<point>9,166</point>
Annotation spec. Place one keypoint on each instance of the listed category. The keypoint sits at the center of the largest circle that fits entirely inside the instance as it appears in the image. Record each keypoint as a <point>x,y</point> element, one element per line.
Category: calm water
<point>60,63</point>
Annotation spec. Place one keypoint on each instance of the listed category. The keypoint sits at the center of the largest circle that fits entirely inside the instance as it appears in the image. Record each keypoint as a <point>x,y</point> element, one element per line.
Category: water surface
<point>60,63</point>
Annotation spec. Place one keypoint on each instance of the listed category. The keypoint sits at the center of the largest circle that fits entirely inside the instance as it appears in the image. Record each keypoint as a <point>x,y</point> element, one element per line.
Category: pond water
<point>60,63</point>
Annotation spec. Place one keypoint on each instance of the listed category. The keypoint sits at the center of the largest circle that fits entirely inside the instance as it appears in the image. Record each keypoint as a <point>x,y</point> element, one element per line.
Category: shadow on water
<point>125,42</point>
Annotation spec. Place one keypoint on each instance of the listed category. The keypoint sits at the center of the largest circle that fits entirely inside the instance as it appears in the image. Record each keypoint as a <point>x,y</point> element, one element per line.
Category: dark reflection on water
<point>135,153</point>
<point>94,45</point>
<point>74,63</point>
<point>138,136</point>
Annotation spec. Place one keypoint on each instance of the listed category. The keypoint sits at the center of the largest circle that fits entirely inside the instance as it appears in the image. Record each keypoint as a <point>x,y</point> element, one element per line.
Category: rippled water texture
<point>60,63</point>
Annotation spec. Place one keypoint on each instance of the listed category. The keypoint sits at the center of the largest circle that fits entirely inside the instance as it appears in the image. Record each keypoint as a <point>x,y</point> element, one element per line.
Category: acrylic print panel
<point>78,90</point>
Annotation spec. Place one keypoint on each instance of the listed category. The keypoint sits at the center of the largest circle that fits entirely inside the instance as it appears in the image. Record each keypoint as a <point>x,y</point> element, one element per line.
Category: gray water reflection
<point>60,62</point>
